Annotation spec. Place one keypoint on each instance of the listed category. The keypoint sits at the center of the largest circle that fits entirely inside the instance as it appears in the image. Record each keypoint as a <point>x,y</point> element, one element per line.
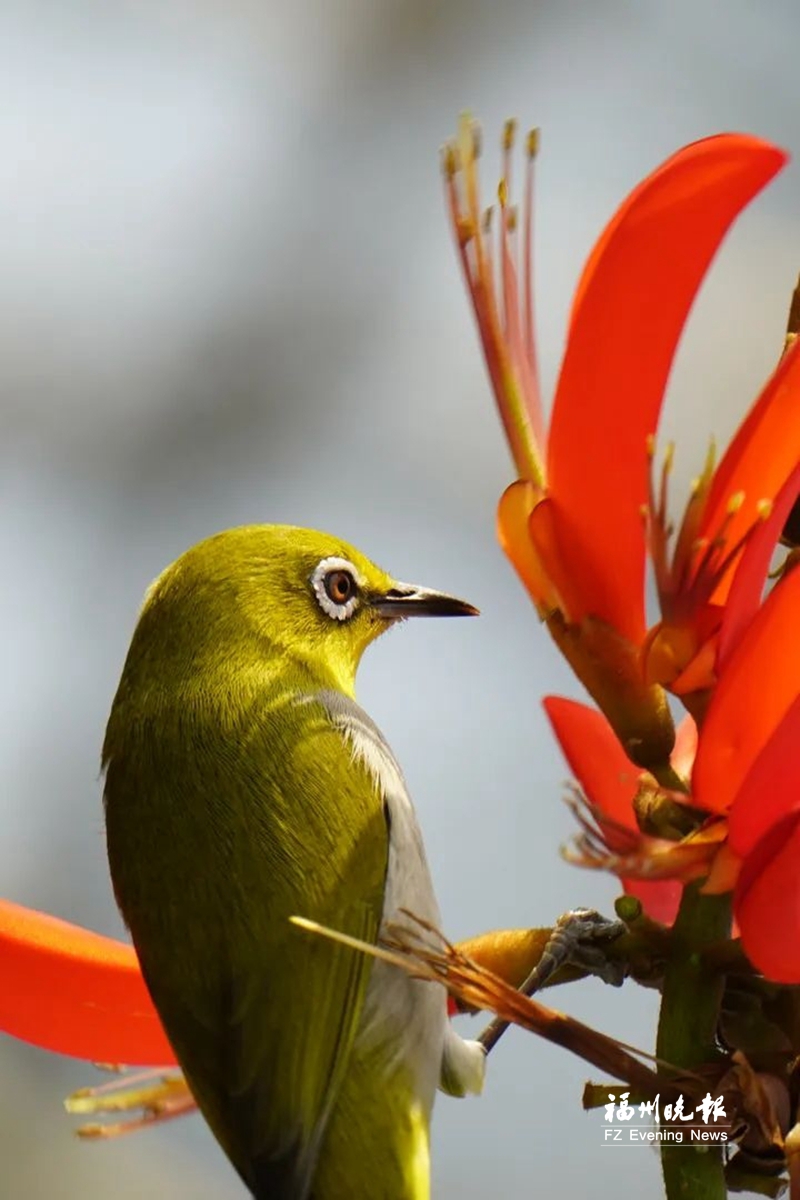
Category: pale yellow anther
<point>533,143</point>
<point>502,193</point>
<point>669,456</point>
<point>694,487</point>
<point>468,141</point>
<point>465,227</point>
<point>735,503</point>
<point>486,222</point>
<point>449,160</point>
<point>511,219</point>
<point>764,509</point>
<point>509,133</point>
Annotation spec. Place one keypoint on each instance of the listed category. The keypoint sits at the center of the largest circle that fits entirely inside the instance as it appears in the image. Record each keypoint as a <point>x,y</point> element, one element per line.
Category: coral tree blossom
<point>585,512</point>
<point>742,774</point>
<point>572,523</point>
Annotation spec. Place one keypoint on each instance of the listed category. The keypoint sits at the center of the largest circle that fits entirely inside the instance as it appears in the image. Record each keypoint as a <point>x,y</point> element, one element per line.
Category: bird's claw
<point>579,939</point>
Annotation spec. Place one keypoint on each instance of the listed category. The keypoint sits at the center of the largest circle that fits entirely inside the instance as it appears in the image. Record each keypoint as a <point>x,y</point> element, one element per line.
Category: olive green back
<point>232,804</point>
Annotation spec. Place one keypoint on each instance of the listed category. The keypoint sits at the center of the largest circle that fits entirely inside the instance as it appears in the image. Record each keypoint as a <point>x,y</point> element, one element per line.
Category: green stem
<point>686,1032</point>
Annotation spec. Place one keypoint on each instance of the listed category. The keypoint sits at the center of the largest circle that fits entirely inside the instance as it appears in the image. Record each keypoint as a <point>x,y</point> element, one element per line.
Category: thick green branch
<point>690,1008</point>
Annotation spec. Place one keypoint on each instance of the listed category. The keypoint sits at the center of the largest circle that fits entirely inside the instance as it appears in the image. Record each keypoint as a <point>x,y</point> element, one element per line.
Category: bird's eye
<point>340,586</point>
<point>335,584</point>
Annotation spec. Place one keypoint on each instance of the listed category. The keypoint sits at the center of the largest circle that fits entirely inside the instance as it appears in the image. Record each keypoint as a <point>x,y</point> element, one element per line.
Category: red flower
<point>572,523</point>
<point>609,782</point>
<point>748,768</point>
<point>728,509</point>
<point>745,774</point>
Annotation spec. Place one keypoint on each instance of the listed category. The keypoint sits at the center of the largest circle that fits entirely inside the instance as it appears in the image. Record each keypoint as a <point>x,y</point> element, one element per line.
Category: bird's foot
<point>150,1097</point>
<point>579,939</point>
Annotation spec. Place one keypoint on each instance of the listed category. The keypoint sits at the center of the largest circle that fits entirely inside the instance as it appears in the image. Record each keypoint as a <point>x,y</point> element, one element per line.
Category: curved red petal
<point>629,310</point>
<point>750,575</point>
<point>760,682</point>
<point>609,779</point>
<point>660,899</point>
<point>762,456</point>
<point>513,515</point>
<point>74,992</point>
<point>595,757</point>
<point>767,902</point>
<point>771,788</point>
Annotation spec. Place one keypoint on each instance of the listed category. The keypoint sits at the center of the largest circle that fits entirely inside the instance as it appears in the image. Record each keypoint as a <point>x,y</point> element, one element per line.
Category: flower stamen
<point>504,321</point>
<point>604,844</point>
<point>690,578</point>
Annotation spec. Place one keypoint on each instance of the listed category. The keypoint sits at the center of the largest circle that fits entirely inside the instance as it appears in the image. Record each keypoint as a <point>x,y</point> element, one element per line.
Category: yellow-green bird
<point>244,785</point>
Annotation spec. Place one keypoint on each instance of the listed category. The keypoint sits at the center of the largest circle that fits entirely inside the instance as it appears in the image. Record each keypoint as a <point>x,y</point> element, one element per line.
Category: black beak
<point>405,600</point>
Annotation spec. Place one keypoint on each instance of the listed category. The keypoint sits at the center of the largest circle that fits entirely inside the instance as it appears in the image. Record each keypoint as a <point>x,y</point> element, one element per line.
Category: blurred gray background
<point>229,294</point>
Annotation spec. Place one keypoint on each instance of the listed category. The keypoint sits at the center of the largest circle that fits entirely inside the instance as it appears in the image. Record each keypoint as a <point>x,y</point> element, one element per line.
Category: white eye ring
<point>332,609</point>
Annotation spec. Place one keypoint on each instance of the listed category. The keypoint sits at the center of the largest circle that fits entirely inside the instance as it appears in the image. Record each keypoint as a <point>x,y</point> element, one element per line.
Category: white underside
<point>407,1015</point>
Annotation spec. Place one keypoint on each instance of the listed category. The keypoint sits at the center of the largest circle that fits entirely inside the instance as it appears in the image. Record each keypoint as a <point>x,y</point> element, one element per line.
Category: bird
<point>243,786</point>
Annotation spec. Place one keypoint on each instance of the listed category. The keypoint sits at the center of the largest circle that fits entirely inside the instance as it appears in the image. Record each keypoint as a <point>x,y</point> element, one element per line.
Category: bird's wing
<point>261,1015</point>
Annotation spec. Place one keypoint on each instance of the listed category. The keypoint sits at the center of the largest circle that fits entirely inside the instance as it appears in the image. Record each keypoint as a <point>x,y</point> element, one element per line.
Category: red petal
<point>771,788</point>
<point>760,682</point>
<point>629,310</point>
<point>762,456</point>
<point>660,900</point>
<point>595,757</point>
<point>72,991</point>
<point>750,575</point>
<point>767,902</point>
<point>609,779</point>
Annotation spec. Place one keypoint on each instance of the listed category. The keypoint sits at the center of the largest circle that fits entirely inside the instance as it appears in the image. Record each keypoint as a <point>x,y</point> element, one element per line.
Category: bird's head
<point>285,592</point>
